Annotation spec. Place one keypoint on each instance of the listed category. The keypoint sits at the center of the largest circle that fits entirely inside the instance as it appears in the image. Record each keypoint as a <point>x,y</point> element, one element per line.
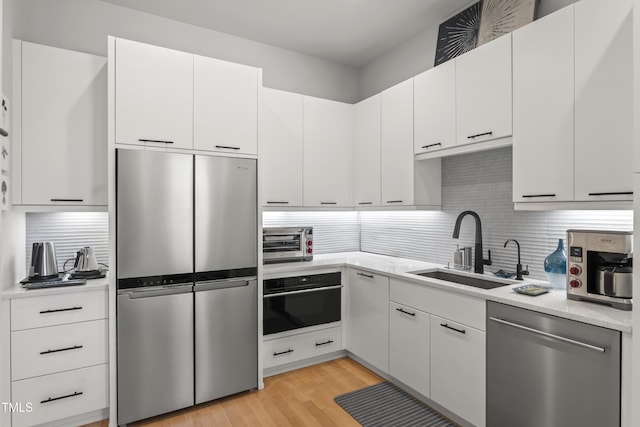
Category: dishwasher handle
<point>184,288</point>
<point>211,285</point>
<point>548,335</point>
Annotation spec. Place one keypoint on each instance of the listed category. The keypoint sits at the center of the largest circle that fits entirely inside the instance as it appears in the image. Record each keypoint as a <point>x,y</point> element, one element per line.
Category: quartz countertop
<point>554,302</point>
<point>17,291</point>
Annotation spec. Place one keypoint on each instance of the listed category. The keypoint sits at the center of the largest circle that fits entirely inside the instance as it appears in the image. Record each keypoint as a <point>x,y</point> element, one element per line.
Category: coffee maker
<point>600,267</point>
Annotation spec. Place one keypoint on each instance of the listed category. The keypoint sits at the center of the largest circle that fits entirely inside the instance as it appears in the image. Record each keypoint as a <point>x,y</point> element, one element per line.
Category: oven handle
<point>304,291</point>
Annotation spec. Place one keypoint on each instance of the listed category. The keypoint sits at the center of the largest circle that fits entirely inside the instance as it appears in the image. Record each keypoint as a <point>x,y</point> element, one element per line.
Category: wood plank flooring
<point>298,398</point>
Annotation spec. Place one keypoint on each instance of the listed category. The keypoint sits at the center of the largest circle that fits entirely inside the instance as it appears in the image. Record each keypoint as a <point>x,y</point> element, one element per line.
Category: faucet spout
<point>479,252</point>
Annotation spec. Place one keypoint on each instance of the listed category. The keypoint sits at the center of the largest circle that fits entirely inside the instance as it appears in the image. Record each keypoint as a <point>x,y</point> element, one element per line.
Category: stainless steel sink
<point>476,282</point>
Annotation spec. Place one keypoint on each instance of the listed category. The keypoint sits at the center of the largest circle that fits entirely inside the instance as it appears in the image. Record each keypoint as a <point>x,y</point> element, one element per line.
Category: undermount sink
<point>476,282</point>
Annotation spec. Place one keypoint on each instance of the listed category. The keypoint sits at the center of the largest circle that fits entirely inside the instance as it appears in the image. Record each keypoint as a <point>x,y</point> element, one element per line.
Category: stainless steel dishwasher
<point>546,371</point>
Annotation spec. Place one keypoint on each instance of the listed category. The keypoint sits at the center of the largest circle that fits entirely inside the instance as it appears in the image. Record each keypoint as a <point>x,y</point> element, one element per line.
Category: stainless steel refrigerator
<point>186,274</point>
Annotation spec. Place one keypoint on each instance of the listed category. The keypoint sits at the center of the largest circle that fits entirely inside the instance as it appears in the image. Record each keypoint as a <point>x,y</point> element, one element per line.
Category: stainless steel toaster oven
<point>287,244</point>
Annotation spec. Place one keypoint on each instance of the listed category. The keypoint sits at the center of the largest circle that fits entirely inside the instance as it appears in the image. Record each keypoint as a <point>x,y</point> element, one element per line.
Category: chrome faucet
<point>479,261</point>
<point>519,270</point>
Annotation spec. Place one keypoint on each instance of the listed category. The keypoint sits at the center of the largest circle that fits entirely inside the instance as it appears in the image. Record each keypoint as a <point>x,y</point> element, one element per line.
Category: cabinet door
<point>280,133</point>
<point>409,347</point>
<point>64,127</point>
<point>483,92</point>
<point>458,369</point>
<point>543,100</point>
<point>604,100</point>
<point>225,106</point>
<point>367,312</point>
<point>154,95</point>
<point>397,145</point>
<point>328,137</point>
<point>434,114</point>
<point>366,157</point>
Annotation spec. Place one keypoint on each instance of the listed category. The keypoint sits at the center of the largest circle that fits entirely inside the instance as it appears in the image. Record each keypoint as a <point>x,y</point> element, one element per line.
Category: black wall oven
<point>301,301</point>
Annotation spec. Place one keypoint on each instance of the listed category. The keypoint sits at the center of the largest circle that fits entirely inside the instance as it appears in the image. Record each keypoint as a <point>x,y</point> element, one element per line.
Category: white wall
<point>417,55</point>
<point>84,25</point>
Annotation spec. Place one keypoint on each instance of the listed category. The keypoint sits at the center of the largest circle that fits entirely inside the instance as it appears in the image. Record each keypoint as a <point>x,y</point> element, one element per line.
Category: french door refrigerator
<point>186,274</point>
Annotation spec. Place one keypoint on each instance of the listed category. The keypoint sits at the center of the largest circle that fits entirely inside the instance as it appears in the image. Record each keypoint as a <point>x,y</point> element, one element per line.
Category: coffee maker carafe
<point>601,267</point>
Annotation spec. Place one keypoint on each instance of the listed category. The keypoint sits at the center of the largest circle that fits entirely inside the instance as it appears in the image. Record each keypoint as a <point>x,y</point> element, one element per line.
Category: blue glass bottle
<point>555,265</point>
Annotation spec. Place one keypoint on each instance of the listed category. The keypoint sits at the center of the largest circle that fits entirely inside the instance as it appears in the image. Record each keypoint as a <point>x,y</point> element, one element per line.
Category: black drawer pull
<point>432,145</point>
<point>328,203</point>
<point>159,141</point>
<point>318,344</point>
<point>369,276</point>
<point>283,352</point>
<point>405,312</point>
<point>58,310</point>
<point>461,331</point>
<point>75,347</point>
<point>53,399</point>
<point>365,203</point>
<point>277,203</point>
<point>615,193</point>
<point>479,134</point>
<point>394,201</point>
<point>227,147</point>
<point>67,200</point>
<point>530,196</point>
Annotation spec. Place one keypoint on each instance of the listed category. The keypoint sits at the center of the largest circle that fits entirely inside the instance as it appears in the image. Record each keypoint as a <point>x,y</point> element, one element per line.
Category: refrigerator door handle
<point>210,285</point>
<point>168,290</point>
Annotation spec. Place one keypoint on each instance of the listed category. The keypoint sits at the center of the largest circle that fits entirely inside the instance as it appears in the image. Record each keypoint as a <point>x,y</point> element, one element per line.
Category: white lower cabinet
<point>298,347</point>
<point>409,346</point>
<point>367,317</point>
<point>458,369</point>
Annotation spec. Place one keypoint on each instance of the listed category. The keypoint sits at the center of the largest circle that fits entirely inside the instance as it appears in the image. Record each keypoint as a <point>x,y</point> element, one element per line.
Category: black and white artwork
<point>458,34</point>
<point>501,17</point>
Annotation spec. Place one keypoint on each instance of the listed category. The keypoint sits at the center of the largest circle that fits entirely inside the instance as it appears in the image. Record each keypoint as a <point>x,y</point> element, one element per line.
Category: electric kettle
<point>44,264</point>
<point>85,260</point>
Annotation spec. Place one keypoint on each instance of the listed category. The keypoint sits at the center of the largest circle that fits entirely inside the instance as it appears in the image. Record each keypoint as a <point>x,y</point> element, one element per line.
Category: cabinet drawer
<point>50,310</point>
<point>61,395</point>
<point>303,346</point>
<point>460,308</point>
<point>42,351</point>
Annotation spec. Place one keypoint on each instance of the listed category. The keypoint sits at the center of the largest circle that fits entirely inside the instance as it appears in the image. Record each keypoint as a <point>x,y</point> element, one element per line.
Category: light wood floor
<point>298,398</point>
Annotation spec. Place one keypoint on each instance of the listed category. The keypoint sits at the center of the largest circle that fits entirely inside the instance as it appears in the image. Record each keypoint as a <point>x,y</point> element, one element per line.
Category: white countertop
<point>17,291</point>
<point>555,302</point>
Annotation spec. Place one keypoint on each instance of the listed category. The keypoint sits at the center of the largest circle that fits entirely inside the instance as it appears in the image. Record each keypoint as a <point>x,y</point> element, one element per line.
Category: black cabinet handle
<point>159,141</point>
<point>365,203</point>
<point>461,331</point>
<point>283,352</point>
<point>405,312</point>
<point>432,145</point>
<point>370,276</point>
<point>75,347</point>
<point>530,196</point>
<point>318,344</point>
<point>479,134</point>
<point>227,147</point>
<point>615,193</point>
<point>60,309</point>
<point>328,203</point>
<point>53,399</point>
<point>277,203</point>
<point>67,200</point>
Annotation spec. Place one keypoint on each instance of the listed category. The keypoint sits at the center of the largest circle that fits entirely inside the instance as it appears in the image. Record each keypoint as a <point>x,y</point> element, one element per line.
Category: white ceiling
<point>350,32</point>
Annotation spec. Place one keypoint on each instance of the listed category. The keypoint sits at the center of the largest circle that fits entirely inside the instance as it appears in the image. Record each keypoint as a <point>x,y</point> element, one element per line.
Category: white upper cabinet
<point>483,92</point>
<point>366,156</point>
<point>153,95</point>
<point>281,147</point>
<point>225,99</point>
<point>604,100</point>
<point>434,114</point>
<point>328,149</point>
<point>63,115</point>
<point>397,145</point>
<point>543,98</point>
